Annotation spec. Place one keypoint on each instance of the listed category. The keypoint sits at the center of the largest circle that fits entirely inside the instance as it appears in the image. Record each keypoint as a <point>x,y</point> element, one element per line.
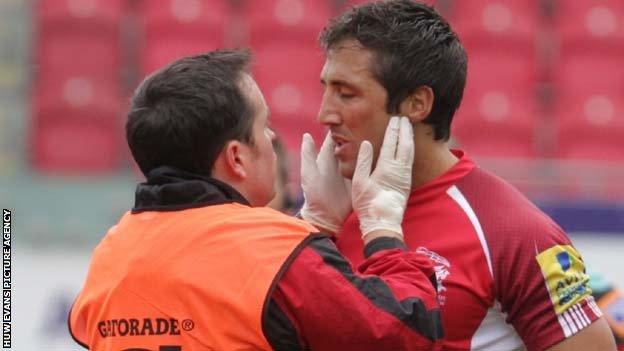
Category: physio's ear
<point>232,160</point>
<point>417,106</point>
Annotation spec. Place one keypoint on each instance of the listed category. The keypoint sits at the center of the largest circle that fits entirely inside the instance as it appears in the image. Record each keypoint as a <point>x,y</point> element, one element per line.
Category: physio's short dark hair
<point>412,46</point>
<point>183,114</point>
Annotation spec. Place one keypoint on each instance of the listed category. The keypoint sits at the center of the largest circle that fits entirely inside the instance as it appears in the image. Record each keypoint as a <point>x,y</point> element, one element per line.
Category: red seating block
<point>588,24</point>
<point>78,36</point>
<point>289,77</point>
<point>589,79</point>
<point>498,114</point>
<point>495,24</point>
<point>291,20</point>
<point>75,124</point>
<point>177,28</point>
<point>590,107</point>
<point>76,139</point>
<point>81,12</point>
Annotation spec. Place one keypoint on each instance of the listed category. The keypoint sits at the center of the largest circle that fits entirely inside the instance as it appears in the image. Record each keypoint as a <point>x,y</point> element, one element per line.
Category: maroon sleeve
<point>539,277</point>
<point>545,287</point>
<point>322,303</point>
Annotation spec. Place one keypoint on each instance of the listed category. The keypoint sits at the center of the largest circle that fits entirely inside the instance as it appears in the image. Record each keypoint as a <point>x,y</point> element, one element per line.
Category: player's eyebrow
<point>339,83</point>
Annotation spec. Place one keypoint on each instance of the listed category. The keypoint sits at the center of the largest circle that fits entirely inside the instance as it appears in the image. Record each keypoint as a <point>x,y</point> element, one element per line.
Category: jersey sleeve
<point>542,284</point>
<point>323,303</point>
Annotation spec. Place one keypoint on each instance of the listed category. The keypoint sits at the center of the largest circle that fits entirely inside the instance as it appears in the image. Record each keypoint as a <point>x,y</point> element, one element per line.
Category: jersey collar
<point>440,185</point>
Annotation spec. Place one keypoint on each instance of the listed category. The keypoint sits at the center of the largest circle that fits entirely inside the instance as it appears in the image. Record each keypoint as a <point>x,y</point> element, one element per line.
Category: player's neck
<point>431,160</point>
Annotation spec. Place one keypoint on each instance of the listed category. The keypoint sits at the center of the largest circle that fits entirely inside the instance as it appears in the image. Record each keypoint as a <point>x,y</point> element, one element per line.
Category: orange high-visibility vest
<point>195,279</point>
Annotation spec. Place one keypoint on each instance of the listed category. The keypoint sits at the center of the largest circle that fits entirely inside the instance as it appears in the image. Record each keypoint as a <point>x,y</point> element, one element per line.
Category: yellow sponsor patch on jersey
<point>564,272</point>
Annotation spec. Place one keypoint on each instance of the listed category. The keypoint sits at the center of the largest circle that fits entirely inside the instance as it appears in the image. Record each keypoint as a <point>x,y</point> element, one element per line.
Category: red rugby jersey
<point>508,276</point>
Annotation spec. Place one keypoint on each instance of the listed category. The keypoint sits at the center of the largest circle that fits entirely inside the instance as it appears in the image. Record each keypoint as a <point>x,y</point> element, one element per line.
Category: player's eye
<point>346,95</point>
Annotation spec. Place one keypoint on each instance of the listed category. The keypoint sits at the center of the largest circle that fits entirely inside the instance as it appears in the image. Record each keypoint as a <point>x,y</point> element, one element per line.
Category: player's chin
<point>346,168</point>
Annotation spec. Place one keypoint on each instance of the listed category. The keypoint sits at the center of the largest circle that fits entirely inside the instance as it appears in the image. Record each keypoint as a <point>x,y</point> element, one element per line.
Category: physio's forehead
<point>248,83</point>
<point>252,90</point>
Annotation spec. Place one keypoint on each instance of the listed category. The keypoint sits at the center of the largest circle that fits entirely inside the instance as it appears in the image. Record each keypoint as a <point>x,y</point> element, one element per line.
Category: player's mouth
<point>340,146</point>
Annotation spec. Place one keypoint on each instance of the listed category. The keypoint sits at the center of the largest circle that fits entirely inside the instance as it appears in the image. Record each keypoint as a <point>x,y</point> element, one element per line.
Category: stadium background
<point>543,108</point>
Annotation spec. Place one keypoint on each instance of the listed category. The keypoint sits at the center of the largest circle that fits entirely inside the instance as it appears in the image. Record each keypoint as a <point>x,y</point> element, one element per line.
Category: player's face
<point>261,171</point>
<point>354,103</point>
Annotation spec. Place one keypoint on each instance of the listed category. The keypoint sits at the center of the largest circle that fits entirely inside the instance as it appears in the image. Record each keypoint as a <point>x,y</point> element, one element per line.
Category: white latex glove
<point>380,198</point>
<point>327,194</point>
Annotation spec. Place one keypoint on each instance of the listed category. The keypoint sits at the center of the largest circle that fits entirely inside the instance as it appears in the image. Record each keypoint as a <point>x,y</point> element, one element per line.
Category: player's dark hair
<point>412,46</point>
<point>183,114</point>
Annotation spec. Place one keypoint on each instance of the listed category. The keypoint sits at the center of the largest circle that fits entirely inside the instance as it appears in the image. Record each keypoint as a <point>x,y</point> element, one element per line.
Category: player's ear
<point>232,160</point>
<point>417,106</point>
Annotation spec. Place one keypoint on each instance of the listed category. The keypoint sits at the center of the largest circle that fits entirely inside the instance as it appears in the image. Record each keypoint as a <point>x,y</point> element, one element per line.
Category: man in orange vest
<point>200,264</point>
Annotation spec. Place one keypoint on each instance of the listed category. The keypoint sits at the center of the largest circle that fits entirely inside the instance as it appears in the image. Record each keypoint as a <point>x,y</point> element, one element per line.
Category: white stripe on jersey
<point>564,325</point>
<point>456,195</point>
<point>582,314</point>
<point>568,319</point>
<point>592,304</point>
<point>576,318</point>
<point>495,334</point>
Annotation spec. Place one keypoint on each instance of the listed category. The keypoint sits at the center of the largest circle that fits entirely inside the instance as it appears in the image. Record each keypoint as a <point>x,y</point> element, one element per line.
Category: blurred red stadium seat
<point>76,87</point>
<point>76,125</point>
<point>78,36</point>
<point>76,90</point>
<point>288,61</point>
<point>271,20</point>
<point>498,25</point>
<point>82,139</point>
<point>289,77</point>
<point>589,79</point>
<point>589,107</point>
<point>77,54</point>
<point>80,11</point>
<point>589,24</point>
<point>498,115</point>
<point>176,28</point>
